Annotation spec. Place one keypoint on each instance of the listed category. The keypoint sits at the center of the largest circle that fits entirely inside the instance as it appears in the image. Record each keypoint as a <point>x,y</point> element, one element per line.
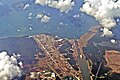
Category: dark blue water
<point>26,47</point>
<point>116,32</point>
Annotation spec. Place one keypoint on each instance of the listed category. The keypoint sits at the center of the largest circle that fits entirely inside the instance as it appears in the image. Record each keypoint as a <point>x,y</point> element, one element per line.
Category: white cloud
<point>76,16</point>
<point>8,67</point>
<point>113,41</point>
<point>62,5</point>
<point>103,10</point>
<point>26,6</point>
<point>41,2</point>
<point>30,15</point>
<point>118,20</point>
<point>43,18</point>
<point>107,32</point>
<point>40,15</point>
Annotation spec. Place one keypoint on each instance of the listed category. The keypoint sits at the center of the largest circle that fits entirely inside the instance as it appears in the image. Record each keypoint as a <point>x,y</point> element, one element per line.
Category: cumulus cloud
<point>104,11</point>
<point>62,5</point>
<point>113,41</point>
<point>107,32</point>
<point>76,16</point>
<point>30,15</point>
<point>8,67</point>
<point>43,18</point>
